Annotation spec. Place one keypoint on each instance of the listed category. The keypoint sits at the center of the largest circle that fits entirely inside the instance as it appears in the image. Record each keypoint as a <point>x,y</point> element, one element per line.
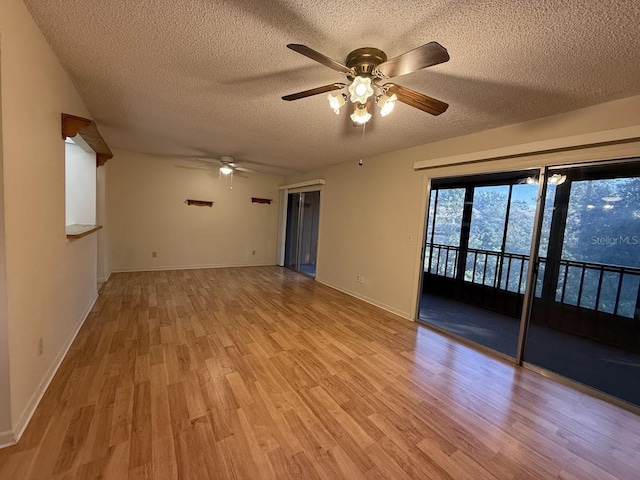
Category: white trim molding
<point>586,140</point>
<point>190,267</point>
<point>370,301</point>
<point>307,183</point>
<point>7,439</point>
<point>104,279</point>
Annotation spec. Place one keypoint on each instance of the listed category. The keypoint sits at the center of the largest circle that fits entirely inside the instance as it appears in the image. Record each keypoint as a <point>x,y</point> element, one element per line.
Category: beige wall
<point>373,216</point>
<point>147,213</point>
<point>104,259</point>
<point>5,399</point>
<point>51,283</point>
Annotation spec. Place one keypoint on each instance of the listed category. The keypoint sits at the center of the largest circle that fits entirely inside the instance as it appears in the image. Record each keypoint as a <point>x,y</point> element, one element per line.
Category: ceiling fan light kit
<point>336,101</point>
<point>365,69</point>
<point>386,104</point>
<point>360,89</point>
<point>361,115</point>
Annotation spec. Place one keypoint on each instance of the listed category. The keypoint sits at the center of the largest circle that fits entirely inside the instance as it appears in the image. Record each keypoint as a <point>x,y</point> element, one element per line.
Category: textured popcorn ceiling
<point>205,77</point>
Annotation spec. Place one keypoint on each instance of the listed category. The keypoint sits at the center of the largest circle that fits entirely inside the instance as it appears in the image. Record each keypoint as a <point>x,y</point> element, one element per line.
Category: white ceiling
<point>205,77</point>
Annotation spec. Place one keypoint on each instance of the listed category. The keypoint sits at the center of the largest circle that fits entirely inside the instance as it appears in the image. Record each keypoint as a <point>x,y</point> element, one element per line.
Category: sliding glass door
<point>477,256</point>
<point>579,315</point>
<point>585,321</point>
<point>301,244</point>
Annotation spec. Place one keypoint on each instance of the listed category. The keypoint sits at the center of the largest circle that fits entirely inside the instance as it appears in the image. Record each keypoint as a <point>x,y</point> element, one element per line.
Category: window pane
<point>603,222</point>
<point>522,213</point>
<point>448,219</point>
<point>488,217</point>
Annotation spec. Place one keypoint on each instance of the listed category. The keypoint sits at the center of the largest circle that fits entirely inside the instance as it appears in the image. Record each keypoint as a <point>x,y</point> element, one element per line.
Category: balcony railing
<point>604,288</point>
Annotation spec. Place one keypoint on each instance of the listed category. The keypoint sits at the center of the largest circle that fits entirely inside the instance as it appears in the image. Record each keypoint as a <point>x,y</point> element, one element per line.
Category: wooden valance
<point>87,129</point>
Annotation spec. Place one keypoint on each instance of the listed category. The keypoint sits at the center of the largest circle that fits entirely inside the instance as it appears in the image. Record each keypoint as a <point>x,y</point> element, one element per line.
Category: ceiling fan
<point>228,165</point>
<point>366,69</point>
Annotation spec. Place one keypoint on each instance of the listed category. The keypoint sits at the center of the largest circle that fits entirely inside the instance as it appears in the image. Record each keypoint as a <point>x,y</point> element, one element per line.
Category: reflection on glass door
<point>291,240</point>
<point>301,243</point>
<point>477,254</point>
<point>585,316</point>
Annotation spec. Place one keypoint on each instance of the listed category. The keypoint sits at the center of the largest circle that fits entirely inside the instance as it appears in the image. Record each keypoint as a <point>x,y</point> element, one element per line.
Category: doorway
<point>542,267</point>
<point>477,256</point>
<point>301,243</point>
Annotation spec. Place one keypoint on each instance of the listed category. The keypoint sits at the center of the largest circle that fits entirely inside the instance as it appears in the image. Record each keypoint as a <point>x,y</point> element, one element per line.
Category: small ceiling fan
<point>366,69</point>
<point>228,165</point>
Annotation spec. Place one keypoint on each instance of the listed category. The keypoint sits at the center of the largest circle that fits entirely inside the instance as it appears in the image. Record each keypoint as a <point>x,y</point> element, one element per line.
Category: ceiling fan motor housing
<point>365,60</point>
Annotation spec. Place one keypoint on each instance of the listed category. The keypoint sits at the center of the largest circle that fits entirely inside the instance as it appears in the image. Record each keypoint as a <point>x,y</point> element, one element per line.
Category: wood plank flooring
<point>261,373</point>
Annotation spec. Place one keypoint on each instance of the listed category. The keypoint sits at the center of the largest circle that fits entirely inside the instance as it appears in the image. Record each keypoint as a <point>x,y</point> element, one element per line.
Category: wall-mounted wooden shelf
<point>200,203</point>
<point>76,230</point>
<point>261,200</point>
<point>87,129</point>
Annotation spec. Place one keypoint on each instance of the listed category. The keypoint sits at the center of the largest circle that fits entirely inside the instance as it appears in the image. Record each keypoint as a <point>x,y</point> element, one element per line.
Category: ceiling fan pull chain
<point>362,144</point>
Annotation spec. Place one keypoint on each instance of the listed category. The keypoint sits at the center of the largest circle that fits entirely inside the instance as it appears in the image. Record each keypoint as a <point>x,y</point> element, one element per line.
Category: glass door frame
<point>300,224</point>
<point>532,275</point>
<point>467,182</point>
<point>293,240</point>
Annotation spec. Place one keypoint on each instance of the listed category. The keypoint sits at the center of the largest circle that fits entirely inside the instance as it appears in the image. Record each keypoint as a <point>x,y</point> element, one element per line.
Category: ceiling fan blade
<point>204,169</point>
<point>416,99</point>
<point>314,91</point>
<point>244,169</point>
<point>427,55</point>
<point>208,161</point>
<point>319,57</point>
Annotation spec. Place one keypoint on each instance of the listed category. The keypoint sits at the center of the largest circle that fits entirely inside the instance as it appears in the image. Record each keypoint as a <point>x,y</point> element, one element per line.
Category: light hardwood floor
<point>254,373</point>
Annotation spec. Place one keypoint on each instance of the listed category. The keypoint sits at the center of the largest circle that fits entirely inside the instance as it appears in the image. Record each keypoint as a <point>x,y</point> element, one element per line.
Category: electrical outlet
<point>360,278</point>
<point>154,254</point>
<point>40,346</point>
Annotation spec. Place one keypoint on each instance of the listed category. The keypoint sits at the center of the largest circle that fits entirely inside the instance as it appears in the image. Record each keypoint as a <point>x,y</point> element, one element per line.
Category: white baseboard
<point>190,267</point>
<point>7,439</point>
<point>371,301</point>
<point>25,418</point>
<point>104,279</point>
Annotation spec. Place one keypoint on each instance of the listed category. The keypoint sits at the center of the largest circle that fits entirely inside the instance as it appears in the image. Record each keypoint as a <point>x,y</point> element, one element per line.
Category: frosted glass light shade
<point>557,179</point>
<point>360,89</point>
<point>387,104</point>
<point>361,116</point>
<point>336,101</point>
